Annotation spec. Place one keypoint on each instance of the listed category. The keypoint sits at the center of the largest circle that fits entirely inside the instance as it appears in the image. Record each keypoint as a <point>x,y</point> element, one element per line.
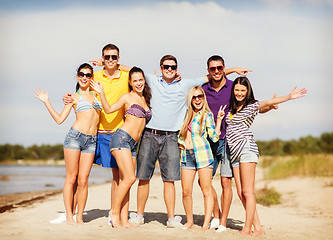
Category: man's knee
<point>226,183</point>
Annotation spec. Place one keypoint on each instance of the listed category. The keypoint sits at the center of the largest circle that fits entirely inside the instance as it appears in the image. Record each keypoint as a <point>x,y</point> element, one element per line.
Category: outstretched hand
<point>97,86</point>
<point>221,113</point>
<point>275,106</point>
<point>297,93</point>
<point>41,95</point>
<point>242,71</point>
<point>97,62</point>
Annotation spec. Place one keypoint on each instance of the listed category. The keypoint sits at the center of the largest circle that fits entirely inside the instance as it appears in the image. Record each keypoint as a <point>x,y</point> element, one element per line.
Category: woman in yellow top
<point>80,142</point>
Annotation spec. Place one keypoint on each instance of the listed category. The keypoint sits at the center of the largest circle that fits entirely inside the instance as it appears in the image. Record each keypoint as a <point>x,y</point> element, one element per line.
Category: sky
<point>286,43</point>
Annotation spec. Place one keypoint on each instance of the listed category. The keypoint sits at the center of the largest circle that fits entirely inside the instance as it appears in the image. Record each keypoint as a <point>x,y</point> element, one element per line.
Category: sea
<point>26,178</point>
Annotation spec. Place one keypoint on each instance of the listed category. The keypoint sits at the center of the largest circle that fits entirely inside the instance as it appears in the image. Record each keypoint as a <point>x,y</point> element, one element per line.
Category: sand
<point>306,212</point>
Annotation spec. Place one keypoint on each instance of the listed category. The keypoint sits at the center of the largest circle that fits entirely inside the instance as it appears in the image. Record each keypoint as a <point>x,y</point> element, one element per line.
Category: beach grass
<point>310,165</point>
<point>268,196</point>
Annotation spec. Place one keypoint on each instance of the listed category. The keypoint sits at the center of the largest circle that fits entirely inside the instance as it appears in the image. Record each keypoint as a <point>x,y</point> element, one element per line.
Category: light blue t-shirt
<point>168,102</point>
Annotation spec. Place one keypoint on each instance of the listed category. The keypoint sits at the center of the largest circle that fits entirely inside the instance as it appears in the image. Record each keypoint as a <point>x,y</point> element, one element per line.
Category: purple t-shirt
<point>216,99</point>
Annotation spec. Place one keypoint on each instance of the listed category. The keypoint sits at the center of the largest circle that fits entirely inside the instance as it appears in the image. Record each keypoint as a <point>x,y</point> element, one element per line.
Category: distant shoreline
<point>23,162</point>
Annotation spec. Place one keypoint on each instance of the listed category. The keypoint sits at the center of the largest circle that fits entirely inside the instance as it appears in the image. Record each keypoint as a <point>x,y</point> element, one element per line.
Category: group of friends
<point>189,125</point>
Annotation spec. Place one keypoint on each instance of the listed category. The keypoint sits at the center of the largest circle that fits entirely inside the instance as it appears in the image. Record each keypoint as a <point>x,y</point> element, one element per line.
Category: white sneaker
<point>60,219</point>
<point>214,223</point>
<point>174,224</point>
<point>221,228</point>
<point>135,219</point>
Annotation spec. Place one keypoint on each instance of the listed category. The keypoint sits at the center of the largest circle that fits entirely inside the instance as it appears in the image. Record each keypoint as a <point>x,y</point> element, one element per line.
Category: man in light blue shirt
<point>160,140</point>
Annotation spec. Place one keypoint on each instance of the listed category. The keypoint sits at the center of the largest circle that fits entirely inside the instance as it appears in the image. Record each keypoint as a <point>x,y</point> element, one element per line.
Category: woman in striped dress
<point>243,149</point>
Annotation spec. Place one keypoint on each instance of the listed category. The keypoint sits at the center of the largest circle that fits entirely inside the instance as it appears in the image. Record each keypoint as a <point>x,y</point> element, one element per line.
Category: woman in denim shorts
<point>243,149</point>
<point>196,154</point>
<point>123,144</point>
<point>80,142</point>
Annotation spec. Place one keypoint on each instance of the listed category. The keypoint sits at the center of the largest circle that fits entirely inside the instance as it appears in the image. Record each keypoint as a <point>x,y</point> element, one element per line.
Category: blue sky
<point>286,43</point>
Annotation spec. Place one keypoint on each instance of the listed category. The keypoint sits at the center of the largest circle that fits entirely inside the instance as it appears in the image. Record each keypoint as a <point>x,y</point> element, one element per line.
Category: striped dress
<point>201,147</point>
<point>238,132</point>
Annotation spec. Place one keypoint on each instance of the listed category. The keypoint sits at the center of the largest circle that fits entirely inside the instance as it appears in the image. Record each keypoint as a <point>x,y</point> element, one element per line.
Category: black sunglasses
<point>213,69</point>
<point>166,67</point>
<point>113,57</point>
<point>81,75</point>
<point>200,97</point>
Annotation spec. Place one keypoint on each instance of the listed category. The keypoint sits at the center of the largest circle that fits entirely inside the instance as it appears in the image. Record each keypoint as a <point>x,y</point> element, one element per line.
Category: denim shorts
<point>121,140</point>
<point>80,141</point>
<point>191,162</point>
<point>103,155</point>
<point>246,156</point>
<point>221,154</point>
<point>163,147</point>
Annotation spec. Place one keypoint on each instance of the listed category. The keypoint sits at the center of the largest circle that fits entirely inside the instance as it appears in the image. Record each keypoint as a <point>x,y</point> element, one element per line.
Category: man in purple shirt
<point>218,92</point>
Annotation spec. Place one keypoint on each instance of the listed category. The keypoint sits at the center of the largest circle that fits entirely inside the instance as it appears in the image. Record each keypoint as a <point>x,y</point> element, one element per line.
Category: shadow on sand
<point>159,217</point>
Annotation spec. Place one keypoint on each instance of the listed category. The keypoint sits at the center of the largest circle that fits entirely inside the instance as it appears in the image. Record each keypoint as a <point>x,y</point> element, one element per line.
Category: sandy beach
<point>306,212</point>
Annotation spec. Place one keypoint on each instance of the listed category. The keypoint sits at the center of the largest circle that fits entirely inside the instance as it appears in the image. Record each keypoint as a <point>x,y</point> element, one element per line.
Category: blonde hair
<point>190,111</point>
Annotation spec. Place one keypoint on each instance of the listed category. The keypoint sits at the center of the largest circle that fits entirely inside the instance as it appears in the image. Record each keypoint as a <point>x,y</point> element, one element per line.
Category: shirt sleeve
<point>210,126</point>
<point>194,82</point>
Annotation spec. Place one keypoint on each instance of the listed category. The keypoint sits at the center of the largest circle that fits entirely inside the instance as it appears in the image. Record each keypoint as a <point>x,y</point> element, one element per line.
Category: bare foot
<point>70,221</point>
<point>79,221</point>
<point>204,228</point>
<point>127,225</point>
<point>257,233</point>
<point>115,220</point>
<point>188,225</point>
<point>245,232</point>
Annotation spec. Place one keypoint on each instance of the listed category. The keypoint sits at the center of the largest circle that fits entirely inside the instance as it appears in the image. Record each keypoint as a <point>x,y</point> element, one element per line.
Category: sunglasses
<point>88,75</point>
<point>113,57</point>
<point>200,97</point>
<point>166,67</point>
<point>213,69</point>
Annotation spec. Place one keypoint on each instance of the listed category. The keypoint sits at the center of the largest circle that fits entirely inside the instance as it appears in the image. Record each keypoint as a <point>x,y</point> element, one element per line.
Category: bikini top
<point>138,111</point>
<point>84,105</point>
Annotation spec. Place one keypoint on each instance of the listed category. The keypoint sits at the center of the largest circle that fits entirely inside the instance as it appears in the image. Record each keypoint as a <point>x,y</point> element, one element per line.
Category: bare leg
<point>226,198</point>
<point>114,186</point>
<point>258,230</point>
<point>85,164</point>
<point>142,195</point>
<point>205,177</point>
<point>127,174</point>
<point>247,176</point>
<point>74,196</point>
<point>72,165</point>
<point>125,205</point>
<point>216,208</point>
<point>170,197</point>
<point>187,179</point>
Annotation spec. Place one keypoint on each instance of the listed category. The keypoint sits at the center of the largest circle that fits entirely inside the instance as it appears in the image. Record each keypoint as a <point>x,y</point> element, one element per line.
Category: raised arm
<point>220,116</point>
<point>59,118</point>
<point>294,94</point>
<point>98,87</point>
<point>240,71</point>
<point>268,108</point>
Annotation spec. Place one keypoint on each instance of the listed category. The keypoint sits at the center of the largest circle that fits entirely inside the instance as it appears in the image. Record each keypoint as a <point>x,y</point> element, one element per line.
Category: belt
<point>160,132</point>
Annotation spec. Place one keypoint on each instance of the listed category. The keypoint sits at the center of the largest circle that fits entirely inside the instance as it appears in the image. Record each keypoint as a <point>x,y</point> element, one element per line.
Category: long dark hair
<point>82,66</point>
<point>146,90</point>
<point>249,98</point>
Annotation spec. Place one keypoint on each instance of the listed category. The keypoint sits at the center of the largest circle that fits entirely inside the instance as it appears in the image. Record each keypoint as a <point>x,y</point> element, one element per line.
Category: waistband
<point>160,132</point>
<point>190,151</point>
<point>104,132</point>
